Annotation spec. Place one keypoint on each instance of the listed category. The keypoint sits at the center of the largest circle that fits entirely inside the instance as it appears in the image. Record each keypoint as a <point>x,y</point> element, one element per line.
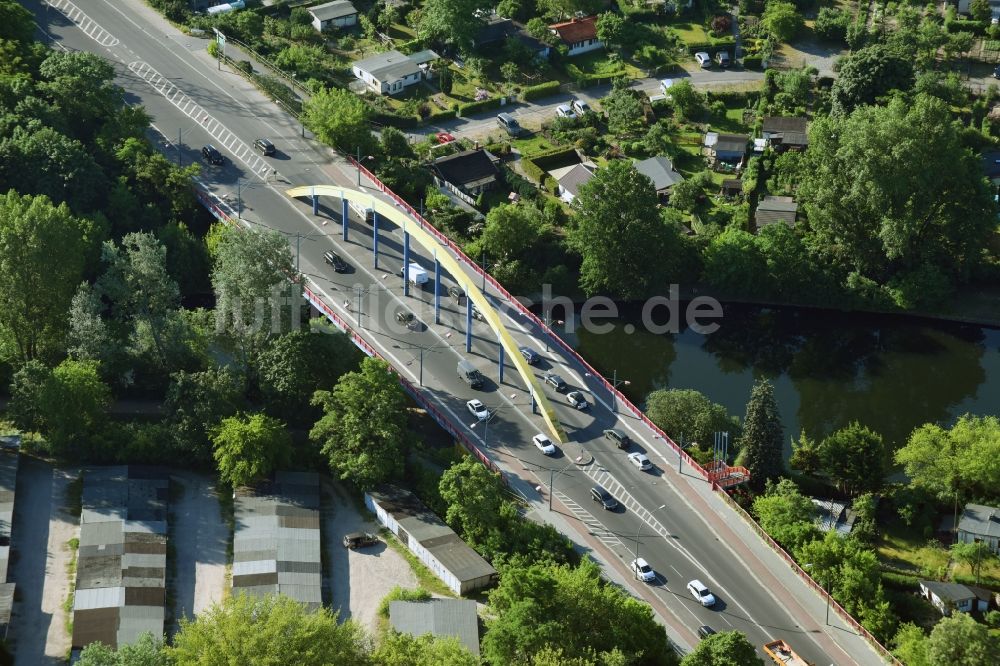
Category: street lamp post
<point>486,423</point>
<point>662,506</point>
<point>552,481</point>
<point>615,382</point>
<point>826,590</point>
<point>548,322</point>
<point>367,157</point>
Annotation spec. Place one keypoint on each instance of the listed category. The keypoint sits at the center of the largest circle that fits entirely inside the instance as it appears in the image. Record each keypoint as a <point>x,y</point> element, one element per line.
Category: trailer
<point>782,654</point>
<point>416,274</point>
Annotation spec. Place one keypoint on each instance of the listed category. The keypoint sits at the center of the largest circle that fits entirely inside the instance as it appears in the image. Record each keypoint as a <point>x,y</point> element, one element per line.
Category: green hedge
<point>536,165</point>
<point>444,115</point>
<point>753,62</point>
<point>585,80</point>
<point>966,25</point>
<point>730,97</point>
<point>714,46</point>
<point>900,581</point>
<point>540,90</point>
<point>393,120</point>
<point>475,107</point>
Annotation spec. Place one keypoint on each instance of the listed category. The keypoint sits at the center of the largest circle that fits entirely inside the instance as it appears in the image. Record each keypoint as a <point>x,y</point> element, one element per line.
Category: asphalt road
<point>693,535</point>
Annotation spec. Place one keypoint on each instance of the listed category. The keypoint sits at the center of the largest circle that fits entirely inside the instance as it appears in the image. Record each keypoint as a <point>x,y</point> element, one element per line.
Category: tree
<point>363,428</point>
<point>959,640</point>
<point>394,145</point>
<point>195,404</point>
<point>855,458</point>
<point>786,514</point>
<point>911,645</point>
<point>980,10</point>
<point>543,605</point>
<point>340,119</point>
<point>270,631</point>
<point>453,22</point>
<point>147,651</point>
<point>80,86</point>
<point>974,555</point>
<point>72,407</point>
<point>782,19</point>
<point>832,24</point>
<point>805,454</point>
<point>734,263</point>
<point>689,102</point>
<point>250,275</point>
<point>611,28</point>
<point>305,60</point>
<point>514,238</point>
<point>689,415</point>
<point>868,74</point>
<point>249,447</point>
<point>396,649</point>
<point>727,648</point>
<point>625,115</point>
<point>510,72</point>
<point>43,250</point>
<point>862,215</point>
<point>687,194</point>
<point>761,444</point>
<point>25,395</point>
<point>619,233</point>
<point>475,504</point>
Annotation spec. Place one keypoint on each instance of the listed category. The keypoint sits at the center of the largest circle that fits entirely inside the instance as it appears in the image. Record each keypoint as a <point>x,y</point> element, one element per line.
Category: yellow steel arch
<point>431,245</point>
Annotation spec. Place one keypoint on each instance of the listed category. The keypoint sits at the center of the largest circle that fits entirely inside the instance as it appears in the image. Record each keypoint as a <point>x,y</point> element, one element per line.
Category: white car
<point>544,444</point>
<point>478,409</point>
<point>564,111</point>
<point>665,86</point>
<point>640,460</point>
<point>580,107</point>
<point>703,59</point>
<point>576,399</point>
<point>642,570</point>
<point>701,593</point>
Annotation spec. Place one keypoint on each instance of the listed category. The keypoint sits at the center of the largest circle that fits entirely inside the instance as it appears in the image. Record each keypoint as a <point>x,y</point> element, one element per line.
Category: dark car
<point>264,146</point>
<point>620,439</point>
<point>476,314</point>
<point>457,294</point>
<point>406,318</point>
<point>705,631</point>
<point>212,156</point>
<point>334,260</point>
<point>996,72</point>
<point>599,494</point>
<point>529,354</point>
<point>359,540</point>
<point>555,381</point>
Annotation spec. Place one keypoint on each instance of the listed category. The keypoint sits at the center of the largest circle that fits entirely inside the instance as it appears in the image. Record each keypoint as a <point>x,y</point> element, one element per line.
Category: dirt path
<point>38,633</point>
<point>199,537</point>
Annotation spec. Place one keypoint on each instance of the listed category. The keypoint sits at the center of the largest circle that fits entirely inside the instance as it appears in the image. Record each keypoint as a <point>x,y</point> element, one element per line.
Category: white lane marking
<point>87,25</point>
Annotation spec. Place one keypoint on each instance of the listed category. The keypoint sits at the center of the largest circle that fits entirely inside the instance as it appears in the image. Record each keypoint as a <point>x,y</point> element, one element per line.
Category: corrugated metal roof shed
<point>441,617</point>
<point>9,459</point>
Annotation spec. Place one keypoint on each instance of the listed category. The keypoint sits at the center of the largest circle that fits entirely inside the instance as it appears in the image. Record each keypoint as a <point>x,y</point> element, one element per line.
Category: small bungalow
<point>579,35</point>
<point>980,524</point>
<point>468,173</point>
<point>727,147</point>
<point>571,178</point>
<point>771,210</point>
<point>785,132</point>
<point>330,15</point>
<point>731,187</point>
<point>947,597</point>
<point>661,171</point>
<point>388,73</point>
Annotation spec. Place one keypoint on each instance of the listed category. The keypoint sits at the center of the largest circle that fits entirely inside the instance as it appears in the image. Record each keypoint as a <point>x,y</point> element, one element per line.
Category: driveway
<point>357,580</point>
<point>38,631</point>
<point>199,536</point>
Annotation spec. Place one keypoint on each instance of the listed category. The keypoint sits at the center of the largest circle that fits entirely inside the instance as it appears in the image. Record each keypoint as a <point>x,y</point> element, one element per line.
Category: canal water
<point>891,373</point>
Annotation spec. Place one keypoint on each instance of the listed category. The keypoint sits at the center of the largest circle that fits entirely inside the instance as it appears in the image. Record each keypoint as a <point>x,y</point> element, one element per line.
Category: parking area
<point>357,580</point>
<point>42,524</point>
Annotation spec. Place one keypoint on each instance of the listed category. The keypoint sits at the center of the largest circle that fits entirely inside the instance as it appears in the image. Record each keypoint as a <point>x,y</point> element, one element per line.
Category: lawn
<point>533,145</point>
<point>599,63</point>
<point>731,121</point>
<point>691,33</point>
<point>905,548</point>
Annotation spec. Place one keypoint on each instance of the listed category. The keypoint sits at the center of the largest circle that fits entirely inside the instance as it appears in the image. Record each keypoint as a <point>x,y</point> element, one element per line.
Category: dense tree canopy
<point>687,414</point>
<point>453,22</point>
<point>855,458</point>
<point>868,74</point>
<point>249,447</point>
<point>727,648</point>
<point>762,445</point>
<point>786,514</point>
<point>957,640</point>
<point>340,118</point>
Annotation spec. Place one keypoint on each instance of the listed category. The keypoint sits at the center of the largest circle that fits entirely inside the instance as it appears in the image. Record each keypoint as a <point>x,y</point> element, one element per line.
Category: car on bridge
<point>640,460</point>
<point>544,444</point>
<point>704,631</point>
<point>478,409</point>
<point>212,156</point>
<point>700,592</point>
<point>621,440</point>
<point>606,499</point>
<point>642,571</point>
<point>555,381</point>
<point>529,354</point>
<point>335,261</point>
<point>576,399</point>
<point>264,147</point>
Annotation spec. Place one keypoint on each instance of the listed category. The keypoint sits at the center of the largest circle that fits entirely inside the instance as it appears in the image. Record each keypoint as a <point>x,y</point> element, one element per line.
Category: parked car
<point>478,409</point>
<point>509,123</point>
<point>444,137</point>
<point>640,461</point>
<point>212,156</point>
<point>580,107</point>
<point>704,631</point>
<point>264,147</point>
<point>722,57</point>
<point>621,440</point>
<point>703,59</point>
<point>606,499</point>
<point>996,72</point>
<point>564,111</point>
<point>576,399</point>
<point>544,444</point>
<point>701,593</point>
<point>335,261</point>
<point>665,86</point>
<point>555,381</point>
<point>359,540</point>
<point>642,570</point>
<point>529,354</point>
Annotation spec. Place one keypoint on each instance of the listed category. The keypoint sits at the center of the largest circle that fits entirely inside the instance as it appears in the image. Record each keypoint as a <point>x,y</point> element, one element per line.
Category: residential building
<point>571,178</point>
<point>947,597</point>
<point>980,523</point>
<point>726,147</point>
<point>578,34</point>
<point>122,556</point>
<point>440,617</point>
<point>467,174</point>
<point>276,545</point>
<point>661,171</point>
<point>834,515</point>
<point>771,210</point>
<point>435,544</point>
<point>388,73</point>
<point>9,459</point>
<point>785,132</point>
<point>330,15</point>
<point>499,29</point>
<point>731,187</point>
